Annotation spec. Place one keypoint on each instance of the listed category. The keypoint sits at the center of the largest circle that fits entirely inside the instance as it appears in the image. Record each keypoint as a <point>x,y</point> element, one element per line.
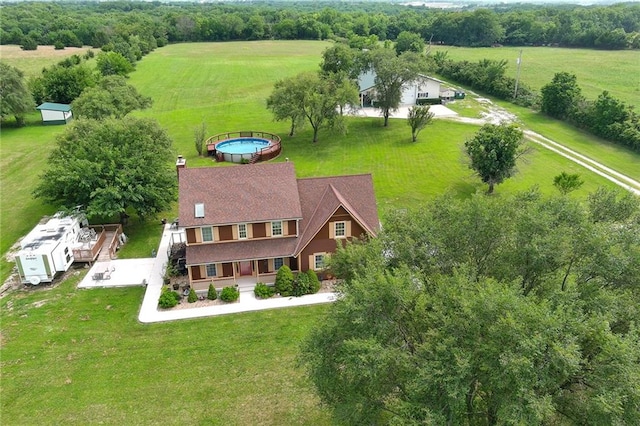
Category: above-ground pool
<point>242,145</point>
<point>239,147</point>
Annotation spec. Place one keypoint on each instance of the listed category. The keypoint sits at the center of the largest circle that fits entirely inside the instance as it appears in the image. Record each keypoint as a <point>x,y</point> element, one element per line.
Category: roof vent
<point>200,210</point>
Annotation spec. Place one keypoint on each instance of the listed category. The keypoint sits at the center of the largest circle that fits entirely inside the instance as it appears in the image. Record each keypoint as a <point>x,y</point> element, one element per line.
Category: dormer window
<point>276,228</point>
<point>199,210</point>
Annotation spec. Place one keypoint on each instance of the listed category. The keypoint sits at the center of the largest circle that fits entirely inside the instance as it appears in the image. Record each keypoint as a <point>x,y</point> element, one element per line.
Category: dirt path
<point>497,115</point>
<point>606,172</point>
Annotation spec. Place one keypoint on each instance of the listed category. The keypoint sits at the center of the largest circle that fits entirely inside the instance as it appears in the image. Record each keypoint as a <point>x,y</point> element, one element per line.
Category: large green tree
<point>481,28</point>
<point>409,42</point>
<point>561,96</point>
<point>112,97</point>
<point>315,98</point>
<point>283,103</point>
<point>392,72</point>
<point>15,98</point>
<point>62,84</point>
<point>113,63</point>
<point>340,58</point>
<point>433,325</point>
<point>493,152</point>
<point>111,167</point>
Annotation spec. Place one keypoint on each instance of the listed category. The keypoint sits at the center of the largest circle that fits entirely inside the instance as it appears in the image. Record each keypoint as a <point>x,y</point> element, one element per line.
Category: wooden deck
<point>105,247</point>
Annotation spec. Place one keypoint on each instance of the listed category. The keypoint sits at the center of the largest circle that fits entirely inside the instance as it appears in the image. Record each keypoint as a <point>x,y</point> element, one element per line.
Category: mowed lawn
<point>81,357</point>
<point>225,86</point>
<point>596,70</point>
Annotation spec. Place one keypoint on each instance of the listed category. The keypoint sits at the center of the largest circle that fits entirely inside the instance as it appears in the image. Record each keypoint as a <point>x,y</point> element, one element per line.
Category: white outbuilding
<point>53,113</point>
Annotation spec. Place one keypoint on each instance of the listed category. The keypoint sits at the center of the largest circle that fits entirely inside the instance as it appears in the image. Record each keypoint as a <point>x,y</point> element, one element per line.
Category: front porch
<point>243,274</point>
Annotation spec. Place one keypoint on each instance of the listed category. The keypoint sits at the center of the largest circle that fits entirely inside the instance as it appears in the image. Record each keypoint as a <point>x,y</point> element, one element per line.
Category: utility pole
<point>518,61</point>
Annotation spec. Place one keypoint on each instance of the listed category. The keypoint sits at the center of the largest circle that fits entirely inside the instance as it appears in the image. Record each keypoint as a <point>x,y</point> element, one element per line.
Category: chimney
<point>181,163</point>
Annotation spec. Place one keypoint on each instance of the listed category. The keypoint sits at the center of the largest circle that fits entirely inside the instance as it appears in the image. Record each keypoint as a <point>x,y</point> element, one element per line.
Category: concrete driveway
<point>403,112</point>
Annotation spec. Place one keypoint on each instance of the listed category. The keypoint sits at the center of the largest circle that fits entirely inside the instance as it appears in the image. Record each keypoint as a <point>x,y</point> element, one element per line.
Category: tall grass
<point>616,71</point>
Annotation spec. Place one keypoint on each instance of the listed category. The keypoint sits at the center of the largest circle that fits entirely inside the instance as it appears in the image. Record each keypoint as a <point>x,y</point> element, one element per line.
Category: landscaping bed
<point>326,286</point>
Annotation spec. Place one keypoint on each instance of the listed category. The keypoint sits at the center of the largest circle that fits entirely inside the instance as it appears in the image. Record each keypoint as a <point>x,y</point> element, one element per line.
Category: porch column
<point>256,269</point>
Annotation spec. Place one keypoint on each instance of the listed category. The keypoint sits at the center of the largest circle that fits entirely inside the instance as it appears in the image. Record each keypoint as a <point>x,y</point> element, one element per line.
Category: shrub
<point>168,298</point>
<point>284,281</point>
<point>29,43</point>
<point>306,283</point>
<point>314,282</point>
<point>192,296</point>
<point>229,294</point>
<point>212,294</point>
<point>263,291</point>
<point>58,45</point>
<point>301,285</point>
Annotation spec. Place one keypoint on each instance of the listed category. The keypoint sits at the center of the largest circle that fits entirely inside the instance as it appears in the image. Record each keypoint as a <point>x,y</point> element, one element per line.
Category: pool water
<point>242,145</point>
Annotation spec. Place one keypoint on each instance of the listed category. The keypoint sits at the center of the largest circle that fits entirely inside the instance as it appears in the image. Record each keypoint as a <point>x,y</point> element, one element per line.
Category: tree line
<point>606,116</point>
<point>156,24</point>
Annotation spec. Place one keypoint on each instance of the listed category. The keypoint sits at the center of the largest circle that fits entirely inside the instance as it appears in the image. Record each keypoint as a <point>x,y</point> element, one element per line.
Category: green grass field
<point>596,70</point>
<point>81,357</point>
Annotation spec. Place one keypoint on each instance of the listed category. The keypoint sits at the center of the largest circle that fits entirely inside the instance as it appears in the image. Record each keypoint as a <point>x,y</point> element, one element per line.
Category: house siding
<point>322,243</point>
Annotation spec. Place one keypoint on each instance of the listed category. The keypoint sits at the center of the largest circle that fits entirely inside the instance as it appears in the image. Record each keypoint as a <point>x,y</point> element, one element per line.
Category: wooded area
<point>156,24</point>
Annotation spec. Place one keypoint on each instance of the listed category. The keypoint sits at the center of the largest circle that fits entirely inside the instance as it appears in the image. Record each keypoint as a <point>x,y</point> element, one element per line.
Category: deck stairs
<point>104,256</point>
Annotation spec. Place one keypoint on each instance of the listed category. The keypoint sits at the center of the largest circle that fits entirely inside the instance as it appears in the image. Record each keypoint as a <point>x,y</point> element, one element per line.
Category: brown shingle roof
<point>244,250</point>
<point>235,194</point>
<point>321,197</point>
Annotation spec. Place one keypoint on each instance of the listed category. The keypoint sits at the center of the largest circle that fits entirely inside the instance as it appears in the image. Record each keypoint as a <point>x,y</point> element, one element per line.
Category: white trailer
<point>48,249</point>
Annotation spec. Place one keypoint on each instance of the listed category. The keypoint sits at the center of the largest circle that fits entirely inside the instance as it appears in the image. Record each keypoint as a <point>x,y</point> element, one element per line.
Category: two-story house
<point>243,222</point>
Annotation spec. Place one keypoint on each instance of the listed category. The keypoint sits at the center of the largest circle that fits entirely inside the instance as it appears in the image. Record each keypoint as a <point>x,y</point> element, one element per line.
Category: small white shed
<point>53,113</point>
<point>447,94</point>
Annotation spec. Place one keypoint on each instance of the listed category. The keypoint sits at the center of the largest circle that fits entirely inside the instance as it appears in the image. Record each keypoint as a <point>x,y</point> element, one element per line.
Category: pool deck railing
<point>264,154</point>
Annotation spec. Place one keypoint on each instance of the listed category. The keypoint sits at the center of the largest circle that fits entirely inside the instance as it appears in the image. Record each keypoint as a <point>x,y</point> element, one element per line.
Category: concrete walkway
<point>150,271</point>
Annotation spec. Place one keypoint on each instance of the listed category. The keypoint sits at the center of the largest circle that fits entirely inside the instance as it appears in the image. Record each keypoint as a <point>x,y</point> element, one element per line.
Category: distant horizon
<point>436,4</point>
